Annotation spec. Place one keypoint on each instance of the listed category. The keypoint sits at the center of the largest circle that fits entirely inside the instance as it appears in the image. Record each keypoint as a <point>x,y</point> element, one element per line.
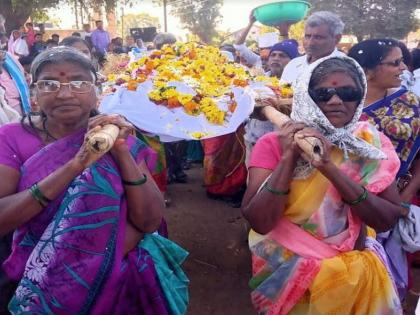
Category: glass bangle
<point>38,195</point>
<point>275,191</point>
<point>139,182</point>
<point>363,196</point>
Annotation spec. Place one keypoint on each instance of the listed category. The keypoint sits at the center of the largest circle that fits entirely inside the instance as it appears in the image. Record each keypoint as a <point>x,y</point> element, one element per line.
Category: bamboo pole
<point>102,141</point>
<point>310,145</point>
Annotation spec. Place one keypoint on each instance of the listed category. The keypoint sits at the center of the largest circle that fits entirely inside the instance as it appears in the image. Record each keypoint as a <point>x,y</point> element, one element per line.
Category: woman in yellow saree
<point>312,252</point>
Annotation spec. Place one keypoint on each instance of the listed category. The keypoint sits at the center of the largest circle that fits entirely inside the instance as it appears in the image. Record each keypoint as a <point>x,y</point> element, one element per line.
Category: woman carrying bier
<point>312,252</point>
<point>82,221</point>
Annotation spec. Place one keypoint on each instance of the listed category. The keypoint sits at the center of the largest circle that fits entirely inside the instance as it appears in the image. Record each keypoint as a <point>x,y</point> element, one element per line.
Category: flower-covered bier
<point>207,72</point>
<point>284,90</point>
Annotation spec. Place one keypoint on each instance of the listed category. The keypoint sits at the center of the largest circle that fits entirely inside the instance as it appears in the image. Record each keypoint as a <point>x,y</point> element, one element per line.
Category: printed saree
<point>13,68</point>
<point>307,264</point>
<point>224,163</point>
<point>160,174</point>
<point>69,258</point>
<point>398,117</point>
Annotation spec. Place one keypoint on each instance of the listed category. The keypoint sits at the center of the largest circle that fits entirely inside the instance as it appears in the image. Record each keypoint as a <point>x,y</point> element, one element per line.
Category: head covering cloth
<point>305,110</point>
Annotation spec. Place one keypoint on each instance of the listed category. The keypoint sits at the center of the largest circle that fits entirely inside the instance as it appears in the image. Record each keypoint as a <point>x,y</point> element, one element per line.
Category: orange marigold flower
<point>173,102</point>
<point>132,85</point>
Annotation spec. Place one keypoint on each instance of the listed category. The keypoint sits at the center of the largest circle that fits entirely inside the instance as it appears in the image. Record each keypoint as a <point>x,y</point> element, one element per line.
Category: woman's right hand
<point>252,18</point>
<point>86,157</point>
<point>289,147</point>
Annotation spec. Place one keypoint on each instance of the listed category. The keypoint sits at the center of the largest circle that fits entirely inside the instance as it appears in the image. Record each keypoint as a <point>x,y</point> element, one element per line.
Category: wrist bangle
<point>405,205</point>
<point>138,182</point>
<point>37,194</point>
<point>363,196</point>
<point>275,191</point>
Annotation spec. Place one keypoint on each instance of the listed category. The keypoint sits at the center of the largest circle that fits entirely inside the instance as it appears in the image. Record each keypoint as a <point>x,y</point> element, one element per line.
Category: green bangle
<point>275,191</point>
<point>139,182</point>
<point>363,196</point>
<point>38,195</point>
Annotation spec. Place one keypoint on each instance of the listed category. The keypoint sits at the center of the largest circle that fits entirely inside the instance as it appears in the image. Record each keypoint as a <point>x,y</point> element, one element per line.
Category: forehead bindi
<point>337,79</point>
<point>64,72</point>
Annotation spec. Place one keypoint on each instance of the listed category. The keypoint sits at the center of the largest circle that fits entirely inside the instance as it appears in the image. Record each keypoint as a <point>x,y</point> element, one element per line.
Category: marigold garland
<point>203,68</point>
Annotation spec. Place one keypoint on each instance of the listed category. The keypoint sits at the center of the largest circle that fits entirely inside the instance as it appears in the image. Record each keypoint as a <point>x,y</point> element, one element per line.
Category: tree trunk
<point>15,16</point>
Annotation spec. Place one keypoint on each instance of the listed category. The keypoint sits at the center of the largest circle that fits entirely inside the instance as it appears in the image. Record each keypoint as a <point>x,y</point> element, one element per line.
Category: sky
<point>229,21</point>
<point>234,15</point>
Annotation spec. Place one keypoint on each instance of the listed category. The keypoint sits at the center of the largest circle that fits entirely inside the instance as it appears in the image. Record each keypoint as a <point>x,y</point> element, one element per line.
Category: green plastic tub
<point>283,11</point>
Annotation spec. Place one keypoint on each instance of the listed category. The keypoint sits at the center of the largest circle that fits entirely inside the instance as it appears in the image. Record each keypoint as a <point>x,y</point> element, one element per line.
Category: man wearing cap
<point>280,55</point>
<point>323,32</point>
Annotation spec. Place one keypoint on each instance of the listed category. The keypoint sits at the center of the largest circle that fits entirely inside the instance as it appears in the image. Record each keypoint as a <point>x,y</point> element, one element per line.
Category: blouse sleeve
<point>9,155</point>
<point>266,152</point>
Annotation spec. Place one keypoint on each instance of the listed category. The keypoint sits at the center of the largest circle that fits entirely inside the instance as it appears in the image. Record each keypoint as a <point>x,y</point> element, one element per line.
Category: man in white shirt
<point>323,32</point>
<point>411,80</point>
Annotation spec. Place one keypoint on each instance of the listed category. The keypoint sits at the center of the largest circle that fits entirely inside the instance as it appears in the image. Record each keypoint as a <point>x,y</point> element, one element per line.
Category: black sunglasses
<point>345,93</point>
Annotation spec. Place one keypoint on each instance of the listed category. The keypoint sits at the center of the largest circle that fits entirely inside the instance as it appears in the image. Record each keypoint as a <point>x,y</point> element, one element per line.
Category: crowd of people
<point>83,232</point>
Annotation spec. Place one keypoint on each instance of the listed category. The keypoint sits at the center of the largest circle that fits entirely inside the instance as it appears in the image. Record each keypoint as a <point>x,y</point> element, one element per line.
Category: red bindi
<point>62,74</point>
<point>334,83</point>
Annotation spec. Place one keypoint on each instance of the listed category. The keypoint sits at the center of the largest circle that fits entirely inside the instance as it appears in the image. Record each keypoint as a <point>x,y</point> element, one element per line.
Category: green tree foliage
<point>137,20</point>
<point>200,17</point>
<point>373,18</point>
<point>17,12</point>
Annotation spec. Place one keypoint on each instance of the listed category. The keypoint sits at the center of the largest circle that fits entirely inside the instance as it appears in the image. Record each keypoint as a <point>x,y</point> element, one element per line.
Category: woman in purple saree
<point>84,223</point>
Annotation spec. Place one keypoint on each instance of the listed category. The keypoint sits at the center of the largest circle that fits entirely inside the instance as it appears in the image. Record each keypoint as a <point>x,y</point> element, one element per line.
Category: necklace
<point>44,127</point>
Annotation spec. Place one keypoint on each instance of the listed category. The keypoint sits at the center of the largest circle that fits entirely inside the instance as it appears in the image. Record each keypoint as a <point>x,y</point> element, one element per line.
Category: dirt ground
<point>219,265</point>
<point>215,235</point>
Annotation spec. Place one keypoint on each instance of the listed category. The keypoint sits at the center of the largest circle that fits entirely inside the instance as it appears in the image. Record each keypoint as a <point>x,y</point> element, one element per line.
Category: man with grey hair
<point>323,32</point>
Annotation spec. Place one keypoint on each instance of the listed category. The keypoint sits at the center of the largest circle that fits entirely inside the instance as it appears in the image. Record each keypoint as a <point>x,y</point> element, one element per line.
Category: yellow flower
<point>155,96</point>
<point>185,98</point>
<point>198,135</point>
<point>168,93</point>
<point>112,77</point>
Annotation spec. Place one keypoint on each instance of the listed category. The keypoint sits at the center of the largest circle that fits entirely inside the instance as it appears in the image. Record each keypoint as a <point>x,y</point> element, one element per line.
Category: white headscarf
<point>305,110</point>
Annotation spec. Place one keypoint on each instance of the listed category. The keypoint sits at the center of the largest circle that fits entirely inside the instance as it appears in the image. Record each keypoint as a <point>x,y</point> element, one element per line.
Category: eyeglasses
<point>345,93</point>
<point>395,63</point>
<point>53,86</point>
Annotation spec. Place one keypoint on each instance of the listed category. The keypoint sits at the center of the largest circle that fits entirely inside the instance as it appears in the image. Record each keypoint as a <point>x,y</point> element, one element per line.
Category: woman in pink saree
<point>312,250</point>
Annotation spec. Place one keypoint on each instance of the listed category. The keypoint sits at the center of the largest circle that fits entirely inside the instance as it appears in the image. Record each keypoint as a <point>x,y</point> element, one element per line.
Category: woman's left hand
<point>120,121</point>
<point>325,159</point>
